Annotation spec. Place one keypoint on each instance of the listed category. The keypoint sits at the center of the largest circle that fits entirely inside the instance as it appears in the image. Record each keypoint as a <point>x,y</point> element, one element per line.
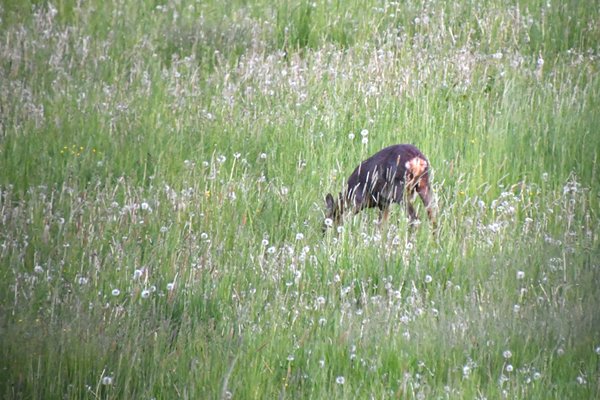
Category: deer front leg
<point>410,211</point>
<point>384,213</point>
<point>426,196</point>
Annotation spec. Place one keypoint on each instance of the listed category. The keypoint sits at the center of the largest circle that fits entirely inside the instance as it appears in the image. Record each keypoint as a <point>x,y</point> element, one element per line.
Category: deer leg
<point>384,213</point>
<point>410,210</point>
<point>426,196</point>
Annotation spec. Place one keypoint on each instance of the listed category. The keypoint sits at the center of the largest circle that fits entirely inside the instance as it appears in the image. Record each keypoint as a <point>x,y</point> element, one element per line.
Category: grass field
<point>163,167</point>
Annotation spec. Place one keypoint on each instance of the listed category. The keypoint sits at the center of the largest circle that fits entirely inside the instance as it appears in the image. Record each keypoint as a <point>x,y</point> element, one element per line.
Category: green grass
<point>163,168</point>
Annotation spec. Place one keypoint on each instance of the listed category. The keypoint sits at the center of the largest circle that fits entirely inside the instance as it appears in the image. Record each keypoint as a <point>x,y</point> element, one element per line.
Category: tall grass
<point>162,174</point>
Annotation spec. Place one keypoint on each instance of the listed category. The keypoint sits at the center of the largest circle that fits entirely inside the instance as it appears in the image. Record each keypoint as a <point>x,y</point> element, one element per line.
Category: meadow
<point>163,169</point>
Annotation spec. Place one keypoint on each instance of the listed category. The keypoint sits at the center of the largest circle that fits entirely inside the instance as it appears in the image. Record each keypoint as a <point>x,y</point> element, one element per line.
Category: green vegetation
<point>163,167</point>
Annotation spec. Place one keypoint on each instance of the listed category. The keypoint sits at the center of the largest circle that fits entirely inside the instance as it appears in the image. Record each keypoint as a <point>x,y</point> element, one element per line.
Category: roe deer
<point>392,175</point>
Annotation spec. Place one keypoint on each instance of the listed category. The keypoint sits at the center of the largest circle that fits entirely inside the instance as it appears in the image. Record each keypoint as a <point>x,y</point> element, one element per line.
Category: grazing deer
<point>392,175</point>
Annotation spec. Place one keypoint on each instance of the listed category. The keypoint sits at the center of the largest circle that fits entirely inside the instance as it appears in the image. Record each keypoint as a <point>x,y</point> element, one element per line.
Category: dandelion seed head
<point>170,286</point>
<point>328,222</point>
<point>466,371</point>
<point>340,380</point>
<point>116,292</point>
<point>38,269</point>
<point>428,279</point>
<point>299,236</point>
<point>509,368</point>
<point>507,354</point>
<point>145,294</point>
<point>520,274</point>
<point>107,380</point>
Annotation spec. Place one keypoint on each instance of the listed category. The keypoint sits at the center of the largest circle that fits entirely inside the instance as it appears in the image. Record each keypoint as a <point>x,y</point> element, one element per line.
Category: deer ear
<point>330,202</point>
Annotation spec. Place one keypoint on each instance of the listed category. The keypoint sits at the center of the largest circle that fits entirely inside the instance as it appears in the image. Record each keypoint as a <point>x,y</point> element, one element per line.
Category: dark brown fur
<point>392,175</point>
